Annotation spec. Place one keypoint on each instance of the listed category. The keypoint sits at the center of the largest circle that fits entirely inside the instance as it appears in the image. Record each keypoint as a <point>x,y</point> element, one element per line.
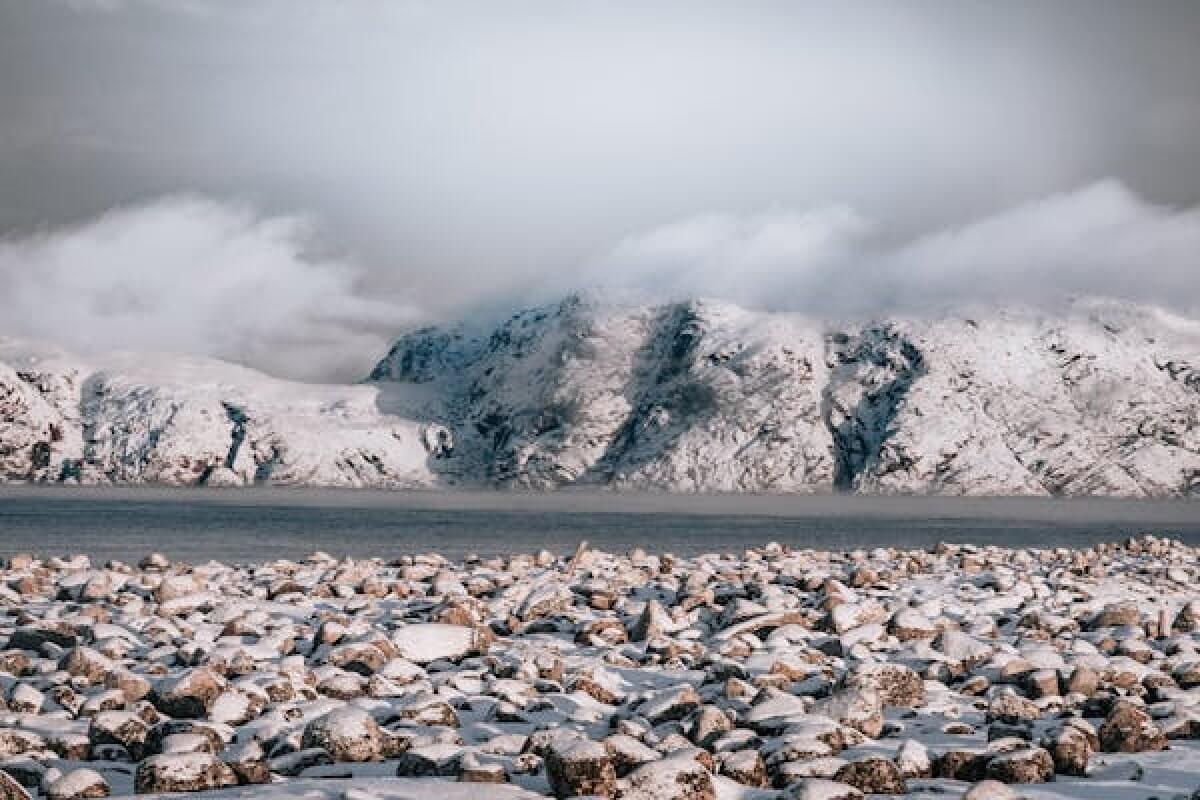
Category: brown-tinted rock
<point>78,784</point>
<point>1083,680</point>
<point>1070,750</point>
<point>347,734</point>
<point>189,694</point>
<point>961,765</point>
<point>190,772</point>
<point>897,685</point>
<point>873,776</point>
<point>10,789</point>
<point>119,727</point>
<point>435,760</point>
<point>1128,729</point>
<point>1029,765</point>
<point>1012,709</point>
<point>746,767</point>
<point>708,724</point>
<point>675,778</point>
<point>248,763</point>
<point>580,767</point>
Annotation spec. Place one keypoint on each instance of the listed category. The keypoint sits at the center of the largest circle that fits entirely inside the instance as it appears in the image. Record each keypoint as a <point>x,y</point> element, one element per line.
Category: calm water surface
<point>258,524</point>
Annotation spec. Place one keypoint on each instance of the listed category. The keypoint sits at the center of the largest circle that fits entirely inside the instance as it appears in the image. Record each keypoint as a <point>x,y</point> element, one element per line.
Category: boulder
<point>1070,750</point>
<point>189,694</point>
<point>347,734</point>
<point>11,789</point>
<point>990,790</point>
<point>673,778</point>
<point>123,728</point>
<point>746,767</point>
<point>822,789</point>
<point>424,643</point>
<point>860,709</point>
<point>580,767</point>
<point>1027,765</point>
<point>1128,729</point>
<point>912,759</point>
<point>910,625</point>
<point>873,775</point>
<point>670,705</point>
<point>897,685</point>
<point>189,772</point>
<point>77,785</point>
<point>434,760</point>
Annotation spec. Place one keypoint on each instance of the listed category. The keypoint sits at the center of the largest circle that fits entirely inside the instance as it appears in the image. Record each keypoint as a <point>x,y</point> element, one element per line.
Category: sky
<point>291,183</point>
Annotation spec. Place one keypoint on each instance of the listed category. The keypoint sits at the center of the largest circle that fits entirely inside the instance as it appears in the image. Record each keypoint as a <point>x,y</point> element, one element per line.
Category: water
<point>259,524</point>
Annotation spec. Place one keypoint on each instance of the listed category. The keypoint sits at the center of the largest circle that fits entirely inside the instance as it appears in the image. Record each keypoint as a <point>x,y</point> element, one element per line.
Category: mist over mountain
<point>608,391</point>
<point>198,277</point>
<point>289,185</point>
<point>778,246</point>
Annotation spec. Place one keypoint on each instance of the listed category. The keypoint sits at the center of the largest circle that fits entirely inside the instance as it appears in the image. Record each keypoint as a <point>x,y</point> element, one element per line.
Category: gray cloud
<point>472,155</point>
<point>190,275</point>
<point>1100,240</point>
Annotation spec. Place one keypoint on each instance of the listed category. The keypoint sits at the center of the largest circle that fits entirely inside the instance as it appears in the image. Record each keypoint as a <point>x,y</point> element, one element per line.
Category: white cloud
<point>1099,240</point>
<point>193,275</point>
<point>189,274</point>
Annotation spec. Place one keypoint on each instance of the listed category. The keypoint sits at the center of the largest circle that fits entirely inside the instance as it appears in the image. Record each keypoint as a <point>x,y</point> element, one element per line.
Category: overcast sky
<point>289,183</point>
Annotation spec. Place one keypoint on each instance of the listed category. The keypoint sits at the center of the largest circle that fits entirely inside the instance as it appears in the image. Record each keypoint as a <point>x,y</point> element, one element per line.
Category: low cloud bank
<point>192,275</point>
<point>1100,240</point>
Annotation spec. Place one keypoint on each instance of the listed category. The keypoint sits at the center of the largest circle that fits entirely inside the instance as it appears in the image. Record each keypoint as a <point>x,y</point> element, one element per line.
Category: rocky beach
<point>612,400</point>
<point>958,671</point>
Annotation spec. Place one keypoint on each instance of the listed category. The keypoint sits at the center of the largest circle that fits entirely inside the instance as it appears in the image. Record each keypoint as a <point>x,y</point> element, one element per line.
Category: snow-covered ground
<point>956,672</point>
<point>1100,399</point>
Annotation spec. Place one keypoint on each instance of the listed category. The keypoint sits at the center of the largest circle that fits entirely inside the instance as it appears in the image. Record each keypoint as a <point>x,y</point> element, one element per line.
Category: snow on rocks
<point>11,788</point>
<point>1129,729</point>
<point>779,673</point>
<point>347,734</point>
<point>822,789</point>
<point>674,778</point>
<point>182,772</point>
<point>580,768</point>
<point>1026,765</point>
<point>990,790</point>
<point>77,785</point>
<point>427,642</point>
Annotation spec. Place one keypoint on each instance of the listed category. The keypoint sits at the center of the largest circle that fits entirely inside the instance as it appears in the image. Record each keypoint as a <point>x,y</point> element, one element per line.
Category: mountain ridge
<point>694,395</point>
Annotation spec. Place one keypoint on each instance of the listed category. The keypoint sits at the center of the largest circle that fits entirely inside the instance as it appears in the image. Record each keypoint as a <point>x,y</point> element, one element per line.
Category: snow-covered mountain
<point>1103,399</point>
<point>180,422</point>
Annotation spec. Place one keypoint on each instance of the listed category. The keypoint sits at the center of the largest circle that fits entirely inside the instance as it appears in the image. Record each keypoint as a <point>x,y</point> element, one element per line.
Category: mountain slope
<point>686,396</point>
<point>186,422</point>
<point>705,396</point>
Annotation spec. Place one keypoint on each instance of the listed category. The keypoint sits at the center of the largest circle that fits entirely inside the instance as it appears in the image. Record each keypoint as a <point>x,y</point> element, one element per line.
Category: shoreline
<point>256,525</point>
<point>615,501</point>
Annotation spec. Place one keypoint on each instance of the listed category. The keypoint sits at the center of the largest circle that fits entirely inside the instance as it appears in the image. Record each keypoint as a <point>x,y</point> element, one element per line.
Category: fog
<point>1100,240</point>
<point>288,184</point>
<point>189,275</point>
